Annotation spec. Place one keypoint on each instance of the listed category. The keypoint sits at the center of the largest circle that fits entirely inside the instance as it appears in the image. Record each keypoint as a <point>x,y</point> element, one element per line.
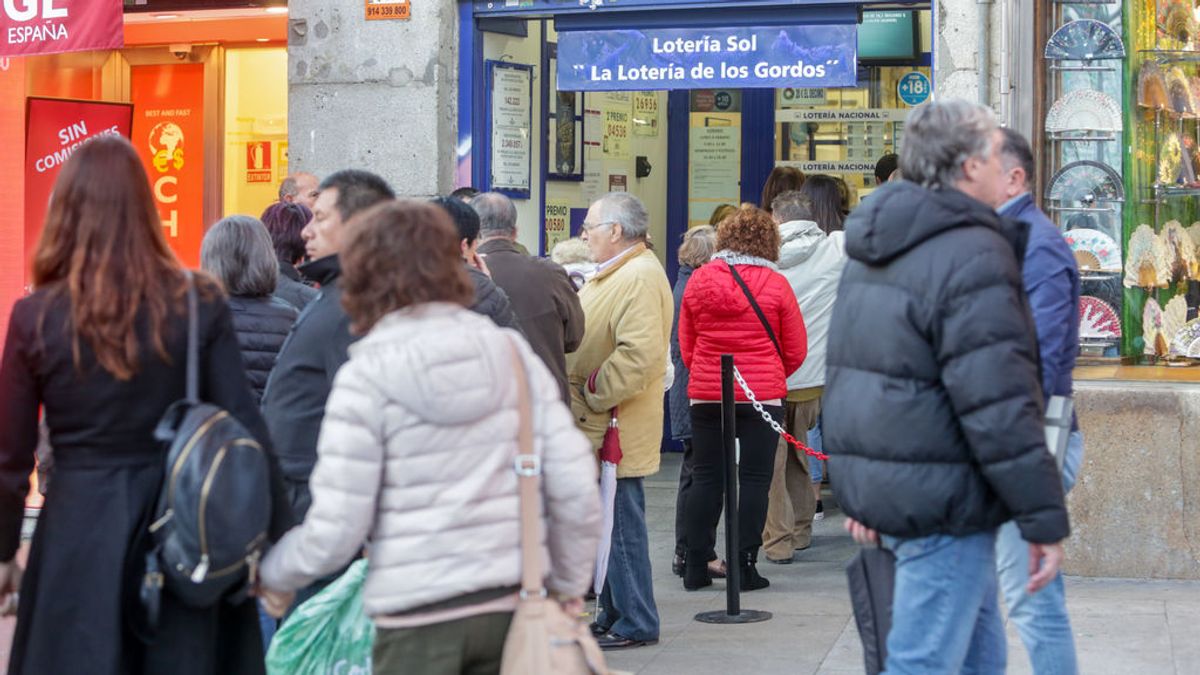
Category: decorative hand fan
<point>1181,252</point>
<point>1152,320</point>
<point>1094,250</point>
<point>1085,182</point>
<point>1173,321</point>
<point>1084,110</point>
<point>1194,233</point>
<point>1180,24</point>
<point>1084,40</point>
<point>1152,87</point>
<point>1146,263</point>
<point>1171,161</point>
<point>1186,341</point>
<point>1098,320</point>
<point>1179,93</point>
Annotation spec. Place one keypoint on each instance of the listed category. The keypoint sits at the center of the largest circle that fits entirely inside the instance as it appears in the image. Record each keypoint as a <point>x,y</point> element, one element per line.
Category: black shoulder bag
<point>757,310</point>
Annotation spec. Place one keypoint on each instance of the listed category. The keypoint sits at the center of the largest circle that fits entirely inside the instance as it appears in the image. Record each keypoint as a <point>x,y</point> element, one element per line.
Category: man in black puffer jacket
<point>933,412</point>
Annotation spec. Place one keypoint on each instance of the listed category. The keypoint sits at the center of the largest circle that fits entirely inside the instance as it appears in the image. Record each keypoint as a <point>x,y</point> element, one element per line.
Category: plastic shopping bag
<point>329,634</point>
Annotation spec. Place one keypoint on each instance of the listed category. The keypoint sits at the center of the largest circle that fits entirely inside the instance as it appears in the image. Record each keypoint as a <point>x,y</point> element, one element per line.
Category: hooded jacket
<point>812,261</point>
<point>717,319</point>
<point>932,406</point>
<point>416,457</point>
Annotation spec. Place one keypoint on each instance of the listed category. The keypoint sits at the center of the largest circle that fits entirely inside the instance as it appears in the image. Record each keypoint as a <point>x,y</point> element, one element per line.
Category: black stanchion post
<point>733,580</point>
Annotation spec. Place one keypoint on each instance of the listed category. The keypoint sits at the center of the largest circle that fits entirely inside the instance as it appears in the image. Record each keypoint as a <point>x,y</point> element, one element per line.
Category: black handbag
<point>872,577</point>
<point>214,510</point>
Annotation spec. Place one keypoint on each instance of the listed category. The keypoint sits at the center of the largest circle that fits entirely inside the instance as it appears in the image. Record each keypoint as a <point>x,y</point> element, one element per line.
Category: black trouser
<point>685,486</point>
<point>705,497</point>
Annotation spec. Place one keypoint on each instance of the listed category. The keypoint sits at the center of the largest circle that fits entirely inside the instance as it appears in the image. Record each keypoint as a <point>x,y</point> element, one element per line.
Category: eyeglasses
<point>588,227</point>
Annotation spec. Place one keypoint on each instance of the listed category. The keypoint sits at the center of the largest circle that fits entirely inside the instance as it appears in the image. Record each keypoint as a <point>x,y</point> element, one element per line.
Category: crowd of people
<point>373,345</point>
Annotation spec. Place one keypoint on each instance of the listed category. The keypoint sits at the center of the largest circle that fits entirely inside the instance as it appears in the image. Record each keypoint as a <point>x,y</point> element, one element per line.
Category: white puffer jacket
<point>416,454</point>
<point>812,262</point>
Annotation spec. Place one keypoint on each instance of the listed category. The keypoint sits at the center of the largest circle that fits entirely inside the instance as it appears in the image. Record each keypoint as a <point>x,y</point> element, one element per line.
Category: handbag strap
<point>193,346</point>
<point>529,470</point>
<point>757,310</point>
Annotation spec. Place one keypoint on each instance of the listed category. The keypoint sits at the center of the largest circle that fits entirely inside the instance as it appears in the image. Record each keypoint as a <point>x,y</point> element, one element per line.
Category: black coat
<point>491,300</point>
<point>294,401</point>
<point>78,597</point>
<point>291,289</point>
<point>262,325</point>
<point>932,409</point>
<point>679,404</point>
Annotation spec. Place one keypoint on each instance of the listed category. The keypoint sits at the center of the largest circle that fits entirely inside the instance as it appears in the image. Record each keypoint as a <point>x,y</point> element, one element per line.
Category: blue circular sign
<point>914,88</point>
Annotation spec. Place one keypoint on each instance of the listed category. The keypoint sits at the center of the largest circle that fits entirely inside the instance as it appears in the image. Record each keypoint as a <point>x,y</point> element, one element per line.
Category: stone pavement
<point>1121,626</point>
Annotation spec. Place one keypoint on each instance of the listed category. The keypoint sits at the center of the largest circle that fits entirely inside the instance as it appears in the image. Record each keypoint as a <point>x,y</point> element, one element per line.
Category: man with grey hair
<point>933,406</point>
<point>542,295</point>
<point>300,188</point>
<point>812,262</point>
<point>618,371</point>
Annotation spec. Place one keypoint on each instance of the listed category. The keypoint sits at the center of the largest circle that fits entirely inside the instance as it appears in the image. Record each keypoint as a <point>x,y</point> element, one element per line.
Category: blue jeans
<point>816,467</point>
<point>627,603</point>
<point>267,625</point>
<point>1041,619</point>
<point>945,611</point>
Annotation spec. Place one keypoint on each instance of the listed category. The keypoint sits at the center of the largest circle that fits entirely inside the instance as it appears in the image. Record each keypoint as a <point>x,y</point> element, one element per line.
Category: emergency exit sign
<point>379,10</point>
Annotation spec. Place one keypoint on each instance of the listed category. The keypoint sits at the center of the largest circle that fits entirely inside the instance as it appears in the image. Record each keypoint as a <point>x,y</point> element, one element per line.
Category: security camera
<point>181,51</point>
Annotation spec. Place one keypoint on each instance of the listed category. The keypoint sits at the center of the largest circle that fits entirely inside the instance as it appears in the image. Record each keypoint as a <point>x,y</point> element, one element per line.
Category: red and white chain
<point>771,420</point>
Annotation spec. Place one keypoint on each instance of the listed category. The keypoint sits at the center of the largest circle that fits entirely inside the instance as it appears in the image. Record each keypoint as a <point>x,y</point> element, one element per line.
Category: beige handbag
<point>543,639</point>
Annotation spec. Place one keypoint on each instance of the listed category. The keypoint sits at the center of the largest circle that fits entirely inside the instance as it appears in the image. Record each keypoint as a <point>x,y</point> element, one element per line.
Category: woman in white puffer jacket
<point>416,458</point>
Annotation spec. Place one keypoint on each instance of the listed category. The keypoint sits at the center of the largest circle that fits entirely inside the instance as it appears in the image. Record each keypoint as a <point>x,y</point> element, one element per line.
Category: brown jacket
<point>545,303</point>
<point>629,309</point>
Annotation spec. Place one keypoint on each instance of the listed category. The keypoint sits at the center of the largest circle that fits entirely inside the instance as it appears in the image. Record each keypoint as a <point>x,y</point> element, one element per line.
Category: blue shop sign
<point>693,58</point>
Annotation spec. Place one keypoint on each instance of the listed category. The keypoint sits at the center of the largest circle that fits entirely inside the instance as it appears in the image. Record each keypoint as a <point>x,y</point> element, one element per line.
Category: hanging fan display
<point>1180,99</point>
<point>1084,110</point>
<point>1094,250</point>
<point>1180,24</point>
<point>1180,251</point>
<point>1194,233</point>
<point>1098,320</point>
<point>1084,40</point>
<point>1173,321</point>
<point>1085,182</point>
<point>1152,87</point>
<point>1186,341</point>
<point>1146,264</point>
<point>1152,323</point>
<point>1170,163</point>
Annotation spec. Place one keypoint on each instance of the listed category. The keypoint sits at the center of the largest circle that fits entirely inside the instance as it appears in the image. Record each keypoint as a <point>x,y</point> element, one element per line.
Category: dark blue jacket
<point>1051,279</point>
<point>677,398</point>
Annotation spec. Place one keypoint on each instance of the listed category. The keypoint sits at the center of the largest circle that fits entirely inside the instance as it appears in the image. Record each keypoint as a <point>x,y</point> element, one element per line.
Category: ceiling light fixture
<point>276,10</point>
<point>166,16</point>
<point>262,39</point>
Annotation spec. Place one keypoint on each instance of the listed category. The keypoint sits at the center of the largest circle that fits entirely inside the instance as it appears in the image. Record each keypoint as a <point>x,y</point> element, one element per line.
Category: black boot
<point>695,573</point>
<point>751,579</point>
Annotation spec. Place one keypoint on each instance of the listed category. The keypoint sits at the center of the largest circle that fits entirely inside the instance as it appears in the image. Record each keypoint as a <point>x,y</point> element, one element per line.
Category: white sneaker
<point>820,514</point>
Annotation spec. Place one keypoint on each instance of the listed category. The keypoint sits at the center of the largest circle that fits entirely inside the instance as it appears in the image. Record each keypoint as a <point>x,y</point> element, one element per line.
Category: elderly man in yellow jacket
<point>621,364</point>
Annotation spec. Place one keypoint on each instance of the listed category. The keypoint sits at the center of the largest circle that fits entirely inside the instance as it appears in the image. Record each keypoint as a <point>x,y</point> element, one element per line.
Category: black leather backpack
<point>214,510</point>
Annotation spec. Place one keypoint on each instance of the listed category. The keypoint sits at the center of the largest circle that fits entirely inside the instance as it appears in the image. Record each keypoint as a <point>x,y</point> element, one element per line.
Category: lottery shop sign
<point>29,27</point>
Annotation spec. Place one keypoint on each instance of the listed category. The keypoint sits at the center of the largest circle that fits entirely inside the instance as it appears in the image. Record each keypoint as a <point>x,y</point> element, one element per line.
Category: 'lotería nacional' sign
<point>688,58</point>
<point>47,26</point>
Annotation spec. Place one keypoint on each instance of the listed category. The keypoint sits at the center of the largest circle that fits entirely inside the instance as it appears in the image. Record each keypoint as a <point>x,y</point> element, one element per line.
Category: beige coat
<point>629,311</point>
<point>416,456</point>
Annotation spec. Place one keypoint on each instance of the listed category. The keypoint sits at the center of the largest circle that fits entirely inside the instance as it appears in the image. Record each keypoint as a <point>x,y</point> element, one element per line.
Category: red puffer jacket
<point>716,318</point>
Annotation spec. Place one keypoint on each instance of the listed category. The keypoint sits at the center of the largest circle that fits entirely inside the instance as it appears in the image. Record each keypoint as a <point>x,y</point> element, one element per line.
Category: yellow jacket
<point>628,309</point>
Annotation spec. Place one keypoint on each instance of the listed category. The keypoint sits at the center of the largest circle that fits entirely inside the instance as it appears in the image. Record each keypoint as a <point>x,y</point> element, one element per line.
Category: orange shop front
<point>208,90</point>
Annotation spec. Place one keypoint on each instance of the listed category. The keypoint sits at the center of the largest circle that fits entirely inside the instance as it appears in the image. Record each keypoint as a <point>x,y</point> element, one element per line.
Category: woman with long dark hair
<point>828,202</point>
<point>782,179</point>
<point>101,345</point>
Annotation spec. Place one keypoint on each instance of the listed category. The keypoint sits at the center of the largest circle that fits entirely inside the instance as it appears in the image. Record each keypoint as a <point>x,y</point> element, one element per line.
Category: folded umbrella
<point>610,458</point>
<point>872,577</point>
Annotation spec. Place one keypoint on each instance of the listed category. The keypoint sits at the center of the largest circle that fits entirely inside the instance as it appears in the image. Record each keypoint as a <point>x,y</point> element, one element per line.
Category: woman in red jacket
<point>717,317</point>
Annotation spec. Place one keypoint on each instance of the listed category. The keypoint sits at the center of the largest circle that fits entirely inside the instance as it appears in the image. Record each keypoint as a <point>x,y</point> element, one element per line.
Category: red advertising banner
<point>47,26</point>
<point>54,128</point>
<point>168,132</point>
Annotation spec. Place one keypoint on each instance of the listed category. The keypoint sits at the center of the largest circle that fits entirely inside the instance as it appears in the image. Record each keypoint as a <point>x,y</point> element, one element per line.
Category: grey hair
<point>497,214</point>
<point>238,252</point>
<point>628,211</point>
<point>940,136</point>
<point>792,205</point>
<point>288,188</point>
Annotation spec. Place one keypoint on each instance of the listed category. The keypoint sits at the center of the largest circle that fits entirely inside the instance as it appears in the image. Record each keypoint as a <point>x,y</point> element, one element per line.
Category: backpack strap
<point>529,476</point>
<point>757,310</point>
<point>193,346</point>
